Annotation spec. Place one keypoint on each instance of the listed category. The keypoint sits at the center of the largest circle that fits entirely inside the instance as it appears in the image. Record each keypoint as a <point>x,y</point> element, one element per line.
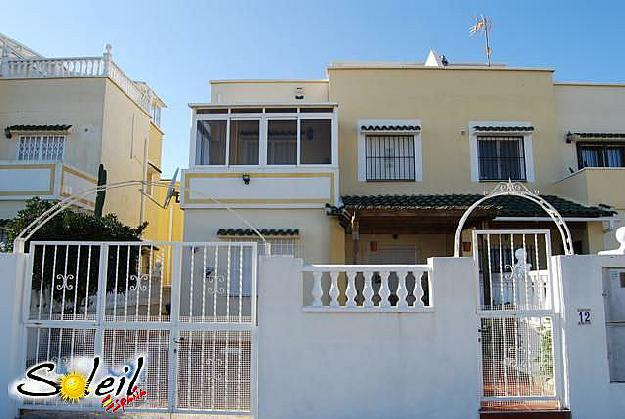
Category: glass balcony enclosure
<point>288,136</point>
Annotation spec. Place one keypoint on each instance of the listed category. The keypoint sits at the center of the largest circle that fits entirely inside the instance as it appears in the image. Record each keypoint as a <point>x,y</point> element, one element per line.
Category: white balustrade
<point>369,288</point>
<point>102,66</point>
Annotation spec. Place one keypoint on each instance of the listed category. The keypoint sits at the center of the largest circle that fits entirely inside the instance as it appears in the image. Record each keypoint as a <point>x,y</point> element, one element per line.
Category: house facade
<point>377,162</point>
<point>62,118</point>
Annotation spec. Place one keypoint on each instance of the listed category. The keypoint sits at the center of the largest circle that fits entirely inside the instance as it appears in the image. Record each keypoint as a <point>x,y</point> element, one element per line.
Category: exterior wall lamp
<point>246,178</point>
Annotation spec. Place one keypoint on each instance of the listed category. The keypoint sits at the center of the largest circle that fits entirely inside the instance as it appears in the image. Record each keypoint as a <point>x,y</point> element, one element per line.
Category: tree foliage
<point>71,225</point>
<point>52,262</point>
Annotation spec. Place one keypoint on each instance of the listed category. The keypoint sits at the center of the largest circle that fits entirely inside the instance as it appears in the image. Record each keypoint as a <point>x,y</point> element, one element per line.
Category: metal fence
<point>519,349</point>
<point>187,308</point>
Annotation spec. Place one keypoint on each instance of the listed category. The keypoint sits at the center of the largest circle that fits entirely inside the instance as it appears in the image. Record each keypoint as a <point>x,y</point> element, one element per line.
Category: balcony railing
<point>369,288</point>
<point>102,66</point>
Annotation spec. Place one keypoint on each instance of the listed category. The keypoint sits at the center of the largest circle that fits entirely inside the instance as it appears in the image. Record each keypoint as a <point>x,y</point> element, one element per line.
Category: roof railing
<point>102,66</point>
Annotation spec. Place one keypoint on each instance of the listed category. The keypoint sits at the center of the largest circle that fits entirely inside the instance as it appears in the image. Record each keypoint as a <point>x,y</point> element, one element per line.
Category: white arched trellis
<point>517,189</point>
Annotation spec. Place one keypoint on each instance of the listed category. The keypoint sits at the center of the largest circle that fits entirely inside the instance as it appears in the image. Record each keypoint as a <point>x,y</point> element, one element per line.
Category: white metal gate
<point>188,308</point>
<point>518,313</point>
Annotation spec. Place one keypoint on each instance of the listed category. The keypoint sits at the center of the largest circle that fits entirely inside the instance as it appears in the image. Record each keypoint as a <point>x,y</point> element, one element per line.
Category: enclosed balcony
<point>274,156</point>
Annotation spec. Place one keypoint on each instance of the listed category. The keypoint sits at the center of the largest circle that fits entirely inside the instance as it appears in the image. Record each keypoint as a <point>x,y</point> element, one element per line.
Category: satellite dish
<point>171,189</point>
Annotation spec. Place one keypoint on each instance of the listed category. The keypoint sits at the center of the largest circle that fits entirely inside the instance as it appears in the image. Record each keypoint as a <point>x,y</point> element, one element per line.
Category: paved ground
<point>36,414</point>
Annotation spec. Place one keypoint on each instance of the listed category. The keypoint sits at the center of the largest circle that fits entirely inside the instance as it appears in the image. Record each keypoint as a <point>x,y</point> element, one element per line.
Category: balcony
<point>262,156</point>
<point>102,66</point>
<point>594,185</point>
<point>47,180</point>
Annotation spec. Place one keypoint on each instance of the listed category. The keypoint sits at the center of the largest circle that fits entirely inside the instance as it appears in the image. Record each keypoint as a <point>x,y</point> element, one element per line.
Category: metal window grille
<point>501,157</point>
<point>278,245</point>
<point>41,147</point>
<point>390,157</point>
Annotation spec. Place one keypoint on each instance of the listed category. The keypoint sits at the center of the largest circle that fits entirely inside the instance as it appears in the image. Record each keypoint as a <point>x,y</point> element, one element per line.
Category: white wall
<point>590,392</point>
<point>367,365</point>
<point>11,266</point>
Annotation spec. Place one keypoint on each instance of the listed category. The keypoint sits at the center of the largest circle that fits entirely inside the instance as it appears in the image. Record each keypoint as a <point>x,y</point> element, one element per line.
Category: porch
<point>406,229</point>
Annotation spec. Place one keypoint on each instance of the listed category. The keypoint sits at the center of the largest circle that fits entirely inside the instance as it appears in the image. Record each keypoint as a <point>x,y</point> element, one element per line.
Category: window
<point>41,148</point>
<point>244,141</point>
<point>282,142</point>
<point>501,157</point>
<point>600,155</point>
<point>284,137</point>
<point>390,157</point>
<point>211,142</point>
<point>316,141</point>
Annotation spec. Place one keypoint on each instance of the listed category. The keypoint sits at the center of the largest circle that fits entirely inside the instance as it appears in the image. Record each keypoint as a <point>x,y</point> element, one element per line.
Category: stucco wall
<point>75,101</point>
<point>268,91</point>
<point>125,136</point>
<point>367,365</point>
<point>321,238</point>
<point>587,108</point>
<point>445,100</point>
<point>590,392</point>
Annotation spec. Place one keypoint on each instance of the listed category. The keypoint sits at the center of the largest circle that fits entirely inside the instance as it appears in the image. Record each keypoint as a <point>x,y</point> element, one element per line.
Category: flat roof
<point>226,81</point>
<point>588,83</point>
<point>398,65</point>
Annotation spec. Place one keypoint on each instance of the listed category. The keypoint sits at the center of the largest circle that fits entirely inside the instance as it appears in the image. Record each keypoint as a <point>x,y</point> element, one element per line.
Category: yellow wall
<point>155,145</point>
<point>445,100</point>
<point>75,101</point>
<point>587,108</point>
<point>267,91</point>
<point>125,136</point>
<point>321,238</point>
<point>164,224</point>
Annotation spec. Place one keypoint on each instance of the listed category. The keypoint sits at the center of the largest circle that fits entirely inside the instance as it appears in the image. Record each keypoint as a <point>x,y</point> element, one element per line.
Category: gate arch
<point>517,189</point>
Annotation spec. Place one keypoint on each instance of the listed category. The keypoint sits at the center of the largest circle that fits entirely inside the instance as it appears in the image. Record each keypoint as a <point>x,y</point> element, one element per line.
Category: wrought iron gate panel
<point>518,321</point>
<point>187,308</point>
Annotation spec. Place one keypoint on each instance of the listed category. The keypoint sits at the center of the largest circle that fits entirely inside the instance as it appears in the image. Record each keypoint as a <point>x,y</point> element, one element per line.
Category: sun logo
<point>72,386</point>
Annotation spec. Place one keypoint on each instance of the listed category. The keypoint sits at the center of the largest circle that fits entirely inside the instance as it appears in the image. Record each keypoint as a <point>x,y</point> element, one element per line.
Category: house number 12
<point>584,316</point>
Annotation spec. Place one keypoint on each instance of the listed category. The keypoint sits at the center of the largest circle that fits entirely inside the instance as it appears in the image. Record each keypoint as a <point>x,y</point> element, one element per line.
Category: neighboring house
<point>398,151</point>
<point>63,117</point>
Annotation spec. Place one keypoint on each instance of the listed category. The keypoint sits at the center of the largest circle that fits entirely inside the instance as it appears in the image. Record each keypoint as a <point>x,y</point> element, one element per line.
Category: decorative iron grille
<point>41,148</point>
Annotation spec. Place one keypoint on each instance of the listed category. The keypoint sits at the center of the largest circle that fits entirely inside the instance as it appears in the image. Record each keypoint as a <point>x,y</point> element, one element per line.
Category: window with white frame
<point>389,150</point>
<point>390,157</point>
<point>268,136</point>
<point>501,157</point>
<point>41,147</point>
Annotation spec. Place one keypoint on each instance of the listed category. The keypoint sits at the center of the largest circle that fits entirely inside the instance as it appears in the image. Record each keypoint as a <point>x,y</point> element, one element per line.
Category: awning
<point>390,128</point>
<point>503,128</point>
<point>600,135</point>
<point>60,128</point>
<point>248,232</point>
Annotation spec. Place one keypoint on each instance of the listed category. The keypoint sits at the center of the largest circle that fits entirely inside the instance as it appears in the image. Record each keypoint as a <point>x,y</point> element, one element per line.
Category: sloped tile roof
<point>264,231</point>
<point>390,127</point>
<point>43,128</point>
<point>504,206</point>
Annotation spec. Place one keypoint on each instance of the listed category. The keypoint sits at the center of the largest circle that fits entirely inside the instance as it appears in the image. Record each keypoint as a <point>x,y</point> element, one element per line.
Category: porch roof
<point>501,206</point>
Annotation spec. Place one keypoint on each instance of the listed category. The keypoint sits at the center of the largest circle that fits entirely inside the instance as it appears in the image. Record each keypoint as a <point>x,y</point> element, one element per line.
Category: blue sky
<point>177,46</point>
